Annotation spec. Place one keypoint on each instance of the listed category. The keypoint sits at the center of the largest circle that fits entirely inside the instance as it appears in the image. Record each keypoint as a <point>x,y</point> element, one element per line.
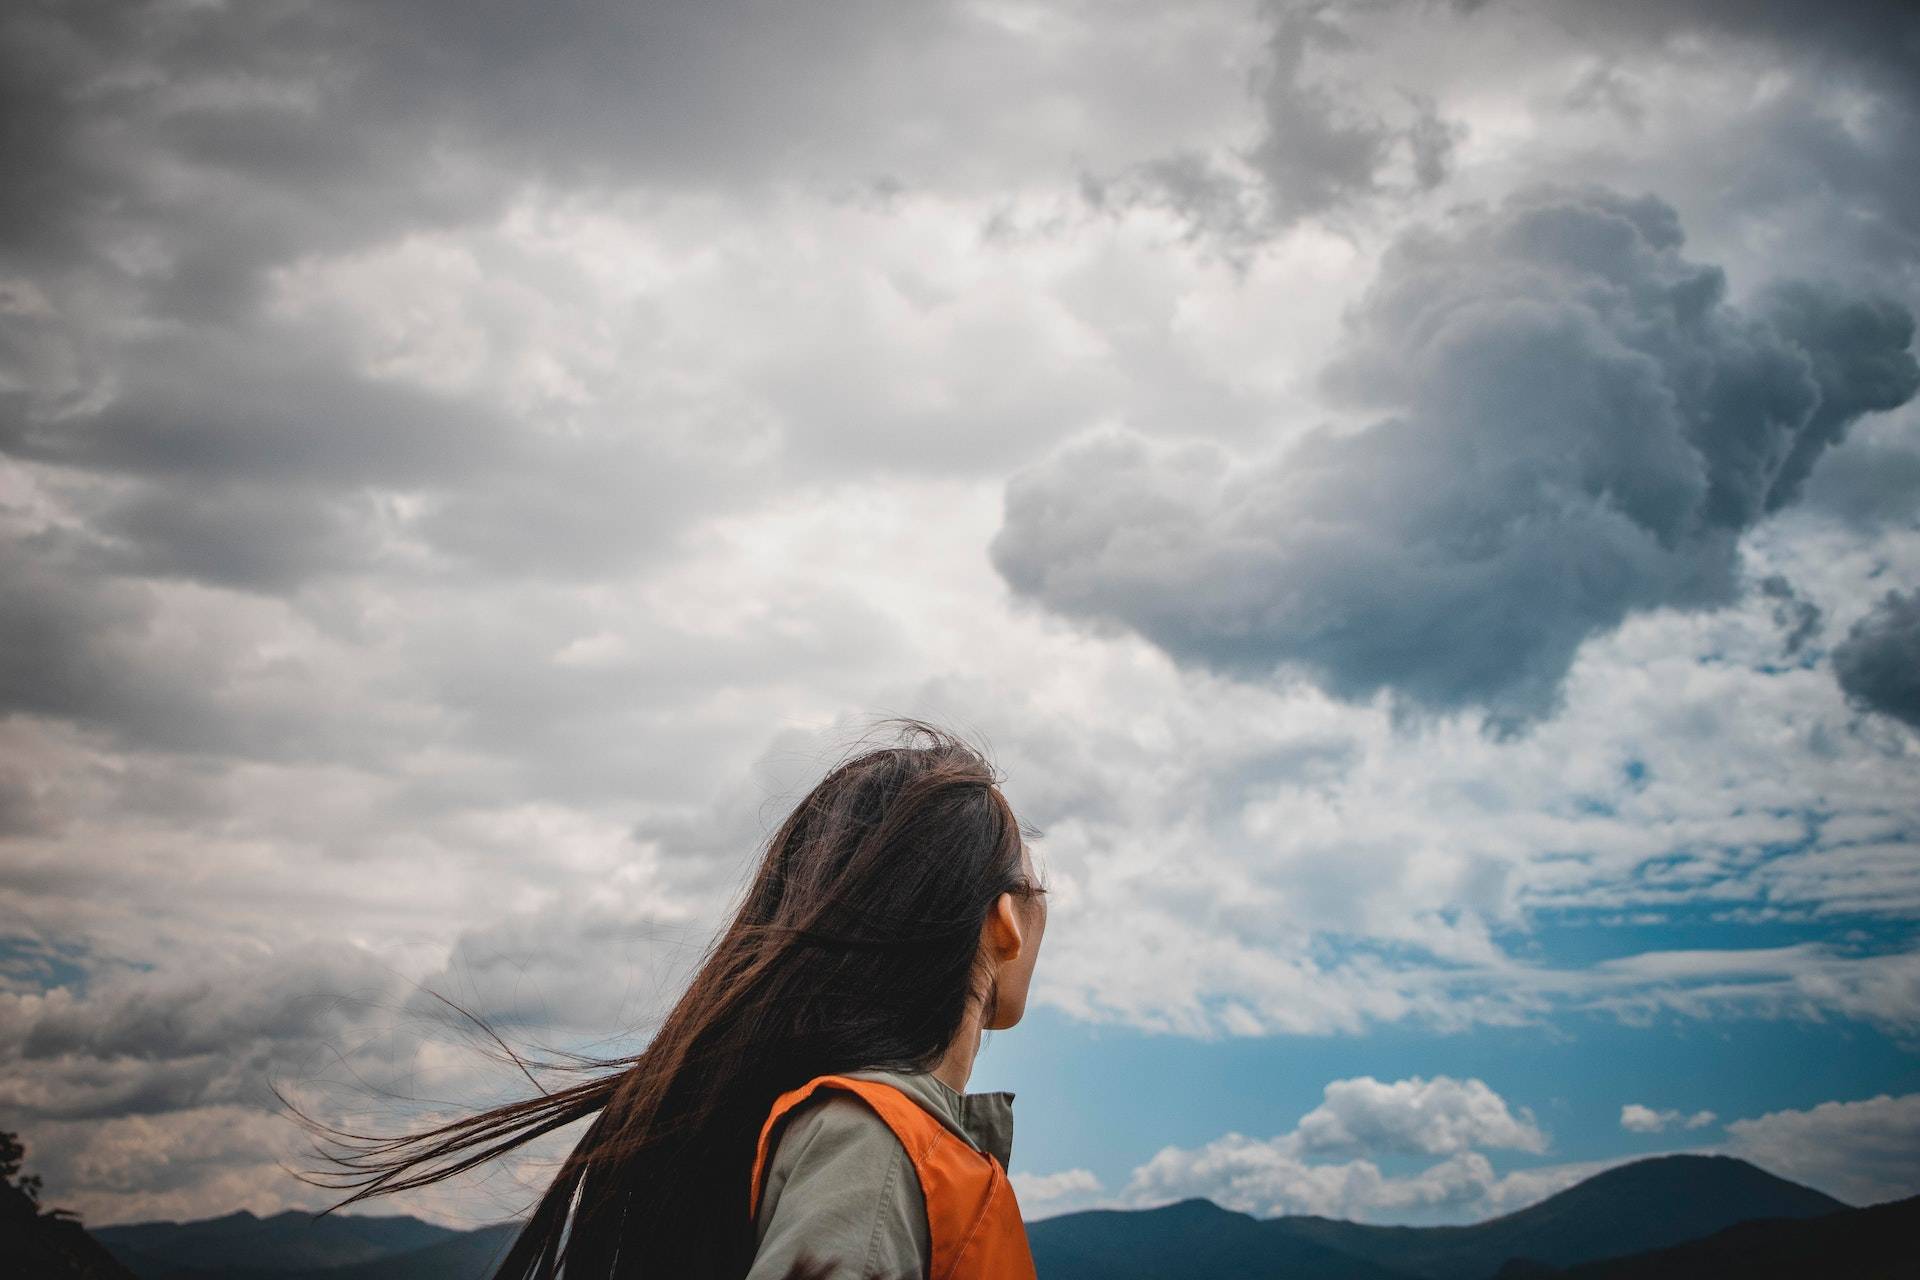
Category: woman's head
<point>894,909</point>
<point>897,899</point>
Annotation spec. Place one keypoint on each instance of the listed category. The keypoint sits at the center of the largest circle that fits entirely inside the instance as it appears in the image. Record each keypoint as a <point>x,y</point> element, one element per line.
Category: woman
<point>800,1111</point>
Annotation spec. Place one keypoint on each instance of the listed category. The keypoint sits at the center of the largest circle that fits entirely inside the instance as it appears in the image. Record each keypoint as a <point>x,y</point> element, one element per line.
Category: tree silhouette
<point>47,1244</point>
<point>13,1154</point>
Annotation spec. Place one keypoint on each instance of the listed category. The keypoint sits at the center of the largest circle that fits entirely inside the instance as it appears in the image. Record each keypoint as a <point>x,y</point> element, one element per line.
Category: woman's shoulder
<point>840,1186</point>
<point>835,1133</point>
<point>833,1117</point>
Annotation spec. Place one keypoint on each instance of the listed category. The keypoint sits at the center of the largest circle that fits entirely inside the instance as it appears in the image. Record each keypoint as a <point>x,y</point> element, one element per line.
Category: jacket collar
<point>983,1120</point>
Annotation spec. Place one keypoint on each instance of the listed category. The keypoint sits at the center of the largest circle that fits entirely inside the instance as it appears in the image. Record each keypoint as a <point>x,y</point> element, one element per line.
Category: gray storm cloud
<point>141,1044</point>
<point>1878,664</point>
<point>1321,146</point>
<point>1578,425</point>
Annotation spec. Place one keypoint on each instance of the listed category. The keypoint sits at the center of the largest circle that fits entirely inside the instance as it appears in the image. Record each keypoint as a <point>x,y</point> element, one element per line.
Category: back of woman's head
<point>867,909</point>
<point>857,944</point>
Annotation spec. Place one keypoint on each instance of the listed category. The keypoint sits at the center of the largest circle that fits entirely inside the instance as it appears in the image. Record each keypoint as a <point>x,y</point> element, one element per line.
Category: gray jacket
<point>840,1188</point>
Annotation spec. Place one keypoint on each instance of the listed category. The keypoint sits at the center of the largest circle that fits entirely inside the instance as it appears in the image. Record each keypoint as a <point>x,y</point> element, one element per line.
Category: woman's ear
<point>1004,935</point>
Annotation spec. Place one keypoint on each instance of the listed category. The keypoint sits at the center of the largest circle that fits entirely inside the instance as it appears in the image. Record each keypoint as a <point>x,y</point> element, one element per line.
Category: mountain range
<point>1670,1216</point>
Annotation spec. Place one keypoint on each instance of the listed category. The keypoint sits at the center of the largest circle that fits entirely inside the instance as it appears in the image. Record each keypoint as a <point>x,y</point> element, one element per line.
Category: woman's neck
<point>956,1065</point>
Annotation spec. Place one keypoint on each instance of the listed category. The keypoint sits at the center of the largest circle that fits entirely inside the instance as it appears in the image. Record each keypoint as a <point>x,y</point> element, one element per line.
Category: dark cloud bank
<point>1579,424</point>
<point>1879,661</point>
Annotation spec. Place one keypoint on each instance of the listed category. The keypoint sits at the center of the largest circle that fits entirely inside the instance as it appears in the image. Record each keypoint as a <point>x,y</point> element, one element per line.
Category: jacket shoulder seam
<point>869,1266</point>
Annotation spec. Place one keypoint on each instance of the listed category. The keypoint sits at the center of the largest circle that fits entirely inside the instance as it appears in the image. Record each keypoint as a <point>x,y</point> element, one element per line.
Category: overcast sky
<point>1422,501</point>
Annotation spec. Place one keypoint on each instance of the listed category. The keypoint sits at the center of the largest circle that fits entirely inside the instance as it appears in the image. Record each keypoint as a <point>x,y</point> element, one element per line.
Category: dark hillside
<point>467,1255</point>
<point>45,1244</point>
<point>1192,1238</point>
<point>1648,1204</point>
<point>1877,1243</point>
<point>284,1241</point>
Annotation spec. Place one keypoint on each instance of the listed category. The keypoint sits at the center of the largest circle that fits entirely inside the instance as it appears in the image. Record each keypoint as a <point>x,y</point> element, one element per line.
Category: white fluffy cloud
<point>1864,1152</point>
<point>1256,1177</point>
<point>1636,1118</point>
<point>1437,1117</point>
<point>1362,1118</point>
<point>1044,1194</point>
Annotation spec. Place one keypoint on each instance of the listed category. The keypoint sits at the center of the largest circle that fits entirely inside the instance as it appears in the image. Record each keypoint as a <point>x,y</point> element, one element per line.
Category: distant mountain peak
<point>1197,1205</point>
<point>1694,1177</point>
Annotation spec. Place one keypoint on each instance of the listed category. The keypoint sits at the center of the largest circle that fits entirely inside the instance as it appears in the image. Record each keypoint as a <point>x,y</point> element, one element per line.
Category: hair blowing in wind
<point>856,945</point>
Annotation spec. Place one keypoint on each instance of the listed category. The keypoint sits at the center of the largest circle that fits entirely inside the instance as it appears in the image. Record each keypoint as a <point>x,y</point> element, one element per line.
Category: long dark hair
<point>857,944</point>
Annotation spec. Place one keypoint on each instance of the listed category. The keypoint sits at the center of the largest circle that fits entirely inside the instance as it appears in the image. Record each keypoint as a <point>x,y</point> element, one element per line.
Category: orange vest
<point>973,1219</point>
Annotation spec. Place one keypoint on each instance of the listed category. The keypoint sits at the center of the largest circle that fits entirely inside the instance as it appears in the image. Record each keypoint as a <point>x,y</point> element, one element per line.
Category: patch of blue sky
<point>1634,776</point>
<point>34,964</point>
<point>1576,937</point>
